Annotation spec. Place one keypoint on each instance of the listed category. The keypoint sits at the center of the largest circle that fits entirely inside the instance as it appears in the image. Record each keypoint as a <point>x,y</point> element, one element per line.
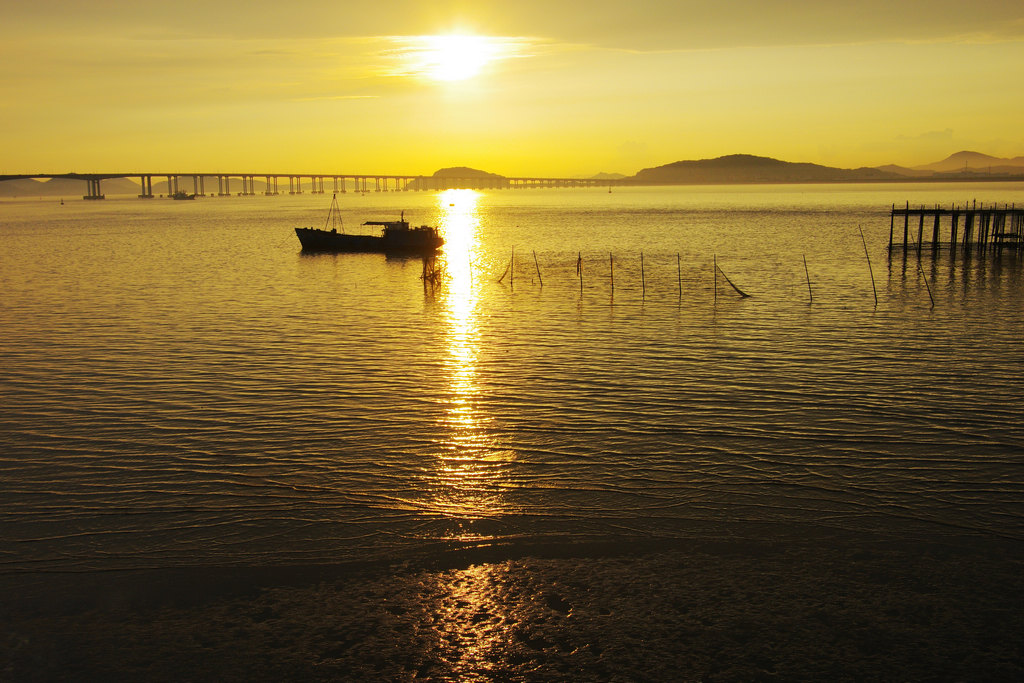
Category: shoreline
<point>770,609</point>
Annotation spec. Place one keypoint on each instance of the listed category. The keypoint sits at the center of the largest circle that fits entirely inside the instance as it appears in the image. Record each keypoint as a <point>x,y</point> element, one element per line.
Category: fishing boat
<point>396,237</point>
<point>182,195</point>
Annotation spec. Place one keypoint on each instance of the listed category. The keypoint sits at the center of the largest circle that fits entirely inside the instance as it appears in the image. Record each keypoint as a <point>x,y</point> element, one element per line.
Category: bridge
<point>274,183</point>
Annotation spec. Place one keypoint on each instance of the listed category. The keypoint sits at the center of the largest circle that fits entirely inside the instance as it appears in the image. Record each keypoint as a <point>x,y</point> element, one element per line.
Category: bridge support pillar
<point>93,191</point>
<point>147,187</point>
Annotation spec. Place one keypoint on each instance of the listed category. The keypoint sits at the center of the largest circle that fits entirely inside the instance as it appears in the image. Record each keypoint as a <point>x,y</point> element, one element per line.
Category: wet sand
<point>736,610</point>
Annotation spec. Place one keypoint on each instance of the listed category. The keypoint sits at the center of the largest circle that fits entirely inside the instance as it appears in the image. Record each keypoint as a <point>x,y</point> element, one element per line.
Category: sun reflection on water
<point>471,467</point>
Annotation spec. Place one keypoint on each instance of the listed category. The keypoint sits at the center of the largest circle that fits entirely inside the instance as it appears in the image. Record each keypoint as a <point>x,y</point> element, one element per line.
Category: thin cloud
<point>314,98</point>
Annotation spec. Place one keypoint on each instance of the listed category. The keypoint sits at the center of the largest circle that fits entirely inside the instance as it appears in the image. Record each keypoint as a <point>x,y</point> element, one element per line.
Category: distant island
<point>733,169</point>
<point>445,177</point>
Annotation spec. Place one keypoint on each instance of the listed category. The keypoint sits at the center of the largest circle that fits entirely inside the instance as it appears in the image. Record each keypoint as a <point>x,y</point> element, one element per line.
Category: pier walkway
<point>968,226</point>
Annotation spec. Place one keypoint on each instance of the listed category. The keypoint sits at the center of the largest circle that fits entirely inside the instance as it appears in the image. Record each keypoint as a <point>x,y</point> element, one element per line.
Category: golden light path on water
<point>471,615</point>
<point>471,466</point>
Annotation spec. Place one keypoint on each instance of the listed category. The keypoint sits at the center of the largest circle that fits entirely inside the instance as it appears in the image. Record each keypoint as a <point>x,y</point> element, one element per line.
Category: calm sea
<point>180,385</point>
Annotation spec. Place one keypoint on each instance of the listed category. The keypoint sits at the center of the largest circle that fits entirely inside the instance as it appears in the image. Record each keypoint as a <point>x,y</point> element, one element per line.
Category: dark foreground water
<point>180,386</point>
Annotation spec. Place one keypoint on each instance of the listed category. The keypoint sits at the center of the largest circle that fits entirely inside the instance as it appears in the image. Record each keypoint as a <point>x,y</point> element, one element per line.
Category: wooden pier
<point>970,226</point>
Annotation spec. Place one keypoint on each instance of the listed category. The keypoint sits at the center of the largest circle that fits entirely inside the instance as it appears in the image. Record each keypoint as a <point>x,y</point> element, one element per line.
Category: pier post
<point>906,227</point>
<point>892,218</point>
<point>920,230</point>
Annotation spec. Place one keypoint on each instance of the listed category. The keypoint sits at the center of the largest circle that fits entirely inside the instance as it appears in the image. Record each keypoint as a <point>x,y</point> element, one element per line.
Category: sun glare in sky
<point>456,58</point>
<point>452,57</point>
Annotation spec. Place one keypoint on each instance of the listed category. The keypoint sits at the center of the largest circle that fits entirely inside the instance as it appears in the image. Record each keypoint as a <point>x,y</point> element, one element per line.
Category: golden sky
<point>521,87</point>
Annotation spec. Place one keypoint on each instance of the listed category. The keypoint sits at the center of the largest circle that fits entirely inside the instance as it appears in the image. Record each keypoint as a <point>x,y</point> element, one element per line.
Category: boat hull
<point>413,242</point>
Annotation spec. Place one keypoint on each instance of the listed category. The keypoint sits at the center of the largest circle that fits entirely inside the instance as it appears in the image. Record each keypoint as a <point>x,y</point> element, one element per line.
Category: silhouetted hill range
<point>745,168</point>
<point>967,161</point>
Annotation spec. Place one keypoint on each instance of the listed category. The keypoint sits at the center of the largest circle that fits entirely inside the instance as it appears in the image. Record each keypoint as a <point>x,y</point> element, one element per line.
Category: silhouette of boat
<point>396,237</point>
<point>182,195</point>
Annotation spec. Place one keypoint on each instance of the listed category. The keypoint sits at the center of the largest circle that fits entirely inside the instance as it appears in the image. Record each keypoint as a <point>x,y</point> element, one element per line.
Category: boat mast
<point>334,215</point>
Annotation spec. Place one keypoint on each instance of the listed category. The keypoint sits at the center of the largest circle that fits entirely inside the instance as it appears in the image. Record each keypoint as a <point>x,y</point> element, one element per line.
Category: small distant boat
<point>182,195</point>
<point>396,237</point>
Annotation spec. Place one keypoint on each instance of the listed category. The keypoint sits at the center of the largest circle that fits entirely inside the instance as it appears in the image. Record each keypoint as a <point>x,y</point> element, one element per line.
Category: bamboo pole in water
<point>810,296</point>
<point>535,263</point>
<point>714,272</point>
<point>679,274</point>
<point>579,268</point>
<point>512,270</point>
<point>870,271</point>
<point>611,271</point>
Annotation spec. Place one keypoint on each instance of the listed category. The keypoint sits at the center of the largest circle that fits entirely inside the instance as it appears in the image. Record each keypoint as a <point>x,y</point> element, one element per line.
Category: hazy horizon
<point>973,161</point>
<point>525,89</point>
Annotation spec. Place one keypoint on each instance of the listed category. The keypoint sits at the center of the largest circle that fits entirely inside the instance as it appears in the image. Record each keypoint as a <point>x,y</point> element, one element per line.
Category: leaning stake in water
<point>731,283</point>
<point>810,296</point>
<point>870,271</point>
<point>539,279</point>
<point>926,285</point>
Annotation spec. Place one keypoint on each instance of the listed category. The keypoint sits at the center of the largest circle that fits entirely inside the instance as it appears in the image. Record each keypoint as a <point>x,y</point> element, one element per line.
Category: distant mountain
<point>70,188</point>
<point>464,172</point>
<point>606,176</point>
<point>904,171</point>
<point>965,161</point>
<point>745,168</point>
<point>459,176</point>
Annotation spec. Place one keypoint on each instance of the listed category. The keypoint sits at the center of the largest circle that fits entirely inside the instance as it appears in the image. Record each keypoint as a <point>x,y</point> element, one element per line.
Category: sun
<point>455,57</point>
